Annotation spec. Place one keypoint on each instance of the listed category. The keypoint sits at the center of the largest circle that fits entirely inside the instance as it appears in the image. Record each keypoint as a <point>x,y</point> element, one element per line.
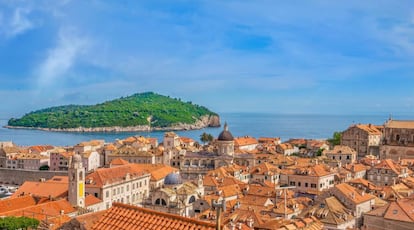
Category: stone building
<point>395,215</point>
<point>128,184</point>
<point>364,138</point>
<point>357,201</point>
<point>193,164</point>
<point>341,155</point>
<point>387,172</point>
<point>175,196</point>
<point>398,140</point>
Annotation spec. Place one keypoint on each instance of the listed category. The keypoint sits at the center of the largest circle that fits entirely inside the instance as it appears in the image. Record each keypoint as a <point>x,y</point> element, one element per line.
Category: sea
<point>285,126</point>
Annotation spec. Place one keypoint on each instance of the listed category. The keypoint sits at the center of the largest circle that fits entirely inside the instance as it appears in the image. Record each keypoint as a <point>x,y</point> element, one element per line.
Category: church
<point>192,164</point>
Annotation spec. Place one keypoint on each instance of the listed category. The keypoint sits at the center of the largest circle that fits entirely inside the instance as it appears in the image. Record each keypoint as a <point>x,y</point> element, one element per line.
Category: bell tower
<point>76,182</point>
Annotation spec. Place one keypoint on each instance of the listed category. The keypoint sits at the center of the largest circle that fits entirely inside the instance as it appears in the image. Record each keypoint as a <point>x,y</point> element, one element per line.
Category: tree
<point>44,167</point>
<point>22,222</point>
<point>336,139</point>
<point>206,137</point>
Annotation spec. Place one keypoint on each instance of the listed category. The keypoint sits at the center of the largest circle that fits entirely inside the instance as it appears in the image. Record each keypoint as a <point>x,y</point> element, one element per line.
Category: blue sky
<point>329,57</point>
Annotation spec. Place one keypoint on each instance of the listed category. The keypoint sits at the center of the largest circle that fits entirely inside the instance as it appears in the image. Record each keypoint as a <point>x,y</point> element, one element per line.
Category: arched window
<point>191,200</point>
<point>160,201</point>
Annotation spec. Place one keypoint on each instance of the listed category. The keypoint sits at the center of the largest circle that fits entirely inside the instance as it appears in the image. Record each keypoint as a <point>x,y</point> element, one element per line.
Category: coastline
<point>203,122</point>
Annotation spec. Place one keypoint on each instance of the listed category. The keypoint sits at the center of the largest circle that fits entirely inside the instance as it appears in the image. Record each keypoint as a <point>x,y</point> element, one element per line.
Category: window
<point>107,194</point>
<point>96,194</point>
<point>127,187</point>
<point>313,185</point>
<point>347,157</point>
<point>299,184</point>
<point>306,185</point>
<point>292,183</point>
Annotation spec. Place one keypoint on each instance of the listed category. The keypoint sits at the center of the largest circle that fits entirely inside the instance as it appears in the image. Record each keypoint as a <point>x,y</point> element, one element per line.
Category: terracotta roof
<point>40,211</point>
<point>315,170</point>
<point>122,216</point>
<point>389,164</point>
<point>355,167</point>
<point>103,176</point>
<point>243,141</point>
<point>340,149</point>
<point>400,210</point>
<point>364,182</point>
<point>401,124</point>
<point>157,171</point>
<point>10,204</point>
<point>118,161</point>
<point>268,139</point>
<point>369,128</point>
<point>186,140</point>
<point>50,188</point>
<point>353,194</point>
<point>110,147</point>
<point>91,200</point>
<point>265,168</point>
<point>85,221</point>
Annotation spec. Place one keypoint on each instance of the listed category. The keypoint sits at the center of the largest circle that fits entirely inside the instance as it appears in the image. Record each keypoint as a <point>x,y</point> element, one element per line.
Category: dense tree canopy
<point>139,109</point>
<point>336,139</point>
<point>22,222</point>
<point>206,137</point>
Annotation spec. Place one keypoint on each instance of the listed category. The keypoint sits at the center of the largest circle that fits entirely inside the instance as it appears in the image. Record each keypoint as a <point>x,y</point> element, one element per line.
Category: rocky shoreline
<point>203,122</point>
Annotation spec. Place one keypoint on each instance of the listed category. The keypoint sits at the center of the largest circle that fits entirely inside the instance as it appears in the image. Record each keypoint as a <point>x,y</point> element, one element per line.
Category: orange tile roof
<point>371,129</point>
<point>315,170</point>
<point>122,216</point>
<point>41,211</point>
<point>10,204</point>
<point>389,164</point>
<point>50,188</point>
<point>401,124</point>
<point>90,219</point>
<point>355,167</point>
<point>91,200</point>
<point>340,149</point>
<point>265,168</point>
<point>243,141</point>
<point>353,194</point>
<point>103,176</point>
<point>400,210</point>
<point>157,171</point>
<point>118,161</point>
<point>186,140</point>
<point>110,147</point>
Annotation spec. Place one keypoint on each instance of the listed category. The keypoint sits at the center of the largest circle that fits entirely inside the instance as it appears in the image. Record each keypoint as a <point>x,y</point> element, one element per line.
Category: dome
<point>225,135</point>
<point>173,179</point>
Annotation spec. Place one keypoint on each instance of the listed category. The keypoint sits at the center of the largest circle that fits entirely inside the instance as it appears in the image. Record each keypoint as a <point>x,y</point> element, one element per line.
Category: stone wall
<point>17,177</point>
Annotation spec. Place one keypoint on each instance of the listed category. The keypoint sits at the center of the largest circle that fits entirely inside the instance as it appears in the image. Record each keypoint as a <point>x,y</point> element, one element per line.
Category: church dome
<point>225,135</point>
<point>173,179</point>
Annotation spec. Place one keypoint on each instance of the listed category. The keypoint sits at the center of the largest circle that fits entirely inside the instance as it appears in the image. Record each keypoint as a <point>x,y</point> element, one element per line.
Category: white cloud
<point>18,24</point>
<point>62,57</point>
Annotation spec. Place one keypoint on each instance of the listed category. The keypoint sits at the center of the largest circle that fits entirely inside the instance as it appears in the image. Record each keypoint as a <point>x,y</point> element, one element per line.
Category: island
<point>147,111</point>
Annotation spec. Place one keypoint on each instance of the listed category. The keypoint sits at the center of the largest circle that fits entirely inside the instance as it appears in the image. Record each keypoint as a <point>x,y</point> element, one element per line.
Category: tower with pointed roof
<point>76,193</point>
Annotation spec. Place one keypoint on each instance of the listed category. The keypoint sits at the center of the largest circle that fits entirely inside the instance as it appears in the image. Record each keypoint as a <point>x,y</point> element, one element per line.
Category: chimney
<point>250,222</point>
<point>232,225</point>
<point>239,226</point>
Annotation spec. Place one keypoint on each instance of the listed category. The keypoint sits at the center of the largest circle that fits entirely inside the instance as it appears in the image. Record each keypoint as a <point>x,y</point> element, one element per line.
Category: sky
<point>288,57</point>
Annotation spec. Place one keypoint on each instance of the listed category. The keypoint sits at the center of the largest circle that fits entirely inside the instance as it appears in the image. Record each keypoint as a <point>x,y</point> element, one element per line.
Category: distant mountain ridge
<point>139,112</point>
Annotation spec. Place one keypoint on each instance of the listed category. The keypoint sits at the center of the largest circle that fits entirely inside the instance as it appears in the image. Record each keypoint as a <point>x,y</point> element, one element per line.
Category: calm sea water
<point>240,124</point>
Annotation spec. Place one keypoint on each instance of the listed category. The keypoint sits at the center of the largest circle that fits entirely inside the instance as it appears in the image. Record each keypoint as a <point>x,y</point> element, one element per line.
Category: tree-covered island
<point>139,112</point>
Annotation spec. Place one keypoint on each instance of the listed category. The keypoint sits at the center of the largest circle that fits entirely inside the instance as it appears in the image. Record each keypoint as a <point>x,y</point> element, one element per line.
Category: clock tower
<point>76,182</point>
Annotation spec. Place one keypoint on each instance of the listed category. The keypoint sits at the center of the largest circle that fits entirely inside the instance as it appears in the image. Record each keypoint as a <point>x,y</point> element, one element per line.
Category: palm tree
<point>206,137</point>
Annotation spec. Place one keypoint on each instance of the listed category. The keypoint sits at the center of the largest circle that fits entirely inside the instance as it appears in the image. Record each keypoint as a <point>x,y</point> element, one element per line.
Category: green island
<point>139,112</point>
